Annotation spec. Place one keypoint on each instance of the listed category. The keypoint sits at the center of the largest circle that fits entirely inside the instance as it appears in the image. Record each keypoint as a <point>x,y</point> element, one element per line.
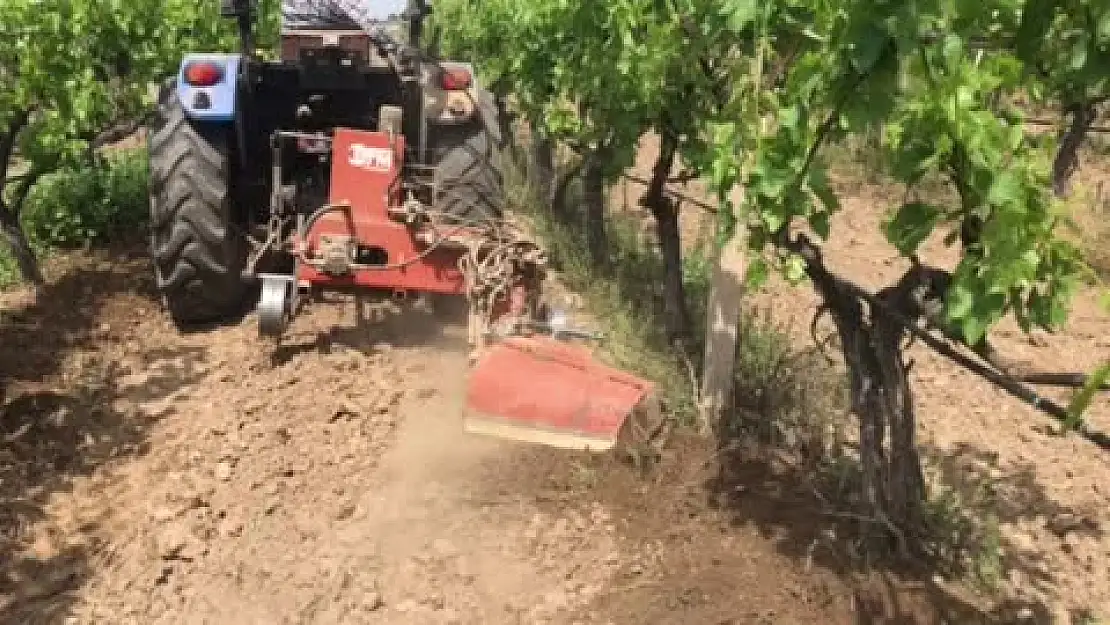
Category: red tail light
<point>456,79</point>
<point>203,73</point>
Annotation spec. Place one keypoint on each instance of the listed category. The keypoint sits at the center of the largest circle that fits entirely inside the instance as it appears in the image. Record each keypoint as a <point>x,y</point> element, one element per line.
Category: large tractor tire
<point>470,180</point>
<point>198,253</point>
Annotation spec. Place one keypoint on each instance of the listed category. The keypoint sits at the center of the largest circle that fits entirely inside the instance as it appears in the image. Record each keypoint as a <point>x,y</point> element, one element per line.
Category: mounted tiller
<point>540,390</point>
<point>359,162</point>
<point>532,388</point>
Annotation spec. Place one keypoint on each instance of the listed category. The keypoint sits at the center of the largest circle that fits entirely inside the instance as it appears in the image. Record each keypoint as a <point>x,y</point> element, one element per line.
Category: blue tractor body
<point>240,152</point>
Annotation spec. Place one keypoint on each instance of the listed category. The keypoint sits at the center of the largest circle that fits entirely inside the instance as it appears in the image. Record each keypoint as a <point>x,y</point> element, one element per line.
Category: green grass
<point>624,299</point>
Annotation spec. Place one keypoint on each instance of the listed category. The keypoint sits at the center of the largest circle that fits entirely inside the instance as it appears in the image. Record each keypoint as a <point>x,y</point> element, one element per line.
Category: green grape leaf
<point>910,225</point>
<point>1083,398</point>
<point>794,269</point>
<point>740,13</point>
<point>757,274</point>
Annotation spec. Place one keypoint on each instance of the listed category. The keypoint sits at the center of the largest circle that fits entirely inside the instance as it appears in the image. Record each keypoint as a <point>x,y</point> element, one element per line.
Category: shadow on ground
<point>375,322</point>
<point>61,418</point>
<point>771,492</point>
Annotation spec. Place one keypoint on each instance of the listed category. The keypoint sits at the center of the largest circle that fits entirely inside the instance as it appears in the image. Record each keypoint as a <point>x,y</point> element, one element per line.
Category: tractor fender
<point>211,103</point>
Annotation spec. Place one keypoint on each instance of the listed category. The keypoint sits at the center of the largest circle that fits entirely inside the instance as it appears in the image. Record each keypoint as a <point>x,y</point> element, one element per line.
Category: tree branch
<point>826,280</point>
<point>679,195</point>
<point>7,143</point>
<point>119,131</point>
<point>27,182</point>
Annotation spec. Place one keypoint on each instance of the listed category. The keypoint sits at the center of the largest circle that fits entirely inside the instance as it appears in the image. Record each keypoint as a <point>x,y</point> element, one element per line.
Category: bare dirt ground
<point>153,477</point>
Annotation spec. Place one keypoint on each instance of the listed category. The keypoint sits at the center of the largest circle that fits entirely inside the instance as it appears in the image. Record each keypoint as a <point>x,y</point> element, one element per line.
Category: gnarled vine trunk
<point>20,247</point>
<point>10,224</point>
<point>542,170</point>
<point>665,211</point>
<point>1066,161</point>
<point>505,127</point>
<point>871,337</point>
<point>593,182</point>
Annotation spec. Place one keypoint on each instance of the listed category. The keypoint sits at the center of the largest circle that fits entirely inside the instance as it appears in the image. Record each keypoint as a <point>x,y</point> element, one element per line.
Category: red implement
<point>540,390</point>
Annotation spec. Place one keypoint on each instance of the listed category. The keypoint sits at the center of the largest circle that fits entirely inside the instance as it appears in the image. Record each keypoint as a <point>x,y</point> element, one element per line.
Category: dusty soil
<point>152,477</point>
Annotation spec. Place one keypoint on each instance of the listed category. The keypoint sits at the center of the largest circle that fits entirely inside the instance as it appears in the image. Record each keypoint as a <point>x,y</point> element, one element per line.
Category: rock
<point>197,500</point>
<point>60,417</point>
<point>163,514</point>
<point>435,601</point>
<point>443,548</point>
<point>163,575</point>
<point>346,409</point>
<point>372,601</point>
<point>345,511</point>
<point>388,400</point>
<point>176,543</point>
<point>171,542</point>
<point>231,529</point>
<point>449,616</point>
<point>223,471</point>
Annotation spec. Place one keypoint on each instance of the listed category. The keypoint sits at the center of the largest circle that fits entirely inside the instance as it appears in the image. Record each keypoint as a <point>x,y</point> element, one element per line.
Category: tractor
<point>356,162</point>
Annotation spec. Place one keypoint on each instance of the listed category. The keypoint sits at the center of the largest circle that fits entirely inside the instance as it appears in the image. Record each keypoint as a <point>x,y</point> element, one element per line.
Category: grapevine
<point>748,94</point>
<point>78,74</point>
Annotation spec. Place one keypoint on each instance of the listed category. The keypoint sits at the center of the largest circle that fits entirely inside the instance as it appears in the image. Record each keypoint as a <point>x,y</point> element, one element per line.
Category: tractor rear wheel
<point>470,181</point>
<point>198,253</point>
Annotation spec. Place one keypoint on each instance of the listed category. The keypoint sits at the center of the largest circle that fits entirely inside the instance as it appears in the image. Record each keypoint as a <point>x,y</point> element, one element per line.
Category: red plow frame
<point>527,383</point>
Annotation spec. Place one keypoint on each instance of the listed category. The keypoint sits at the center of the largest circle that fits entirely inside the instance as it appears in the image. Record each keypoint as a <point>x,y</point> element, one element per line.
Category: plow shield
<point>540,390</point>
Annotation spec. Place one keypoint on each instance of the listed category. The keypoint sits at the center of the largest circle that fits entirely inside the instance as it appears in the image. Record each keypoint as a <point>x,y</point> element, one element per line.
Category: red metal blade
<point>544,391</point>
